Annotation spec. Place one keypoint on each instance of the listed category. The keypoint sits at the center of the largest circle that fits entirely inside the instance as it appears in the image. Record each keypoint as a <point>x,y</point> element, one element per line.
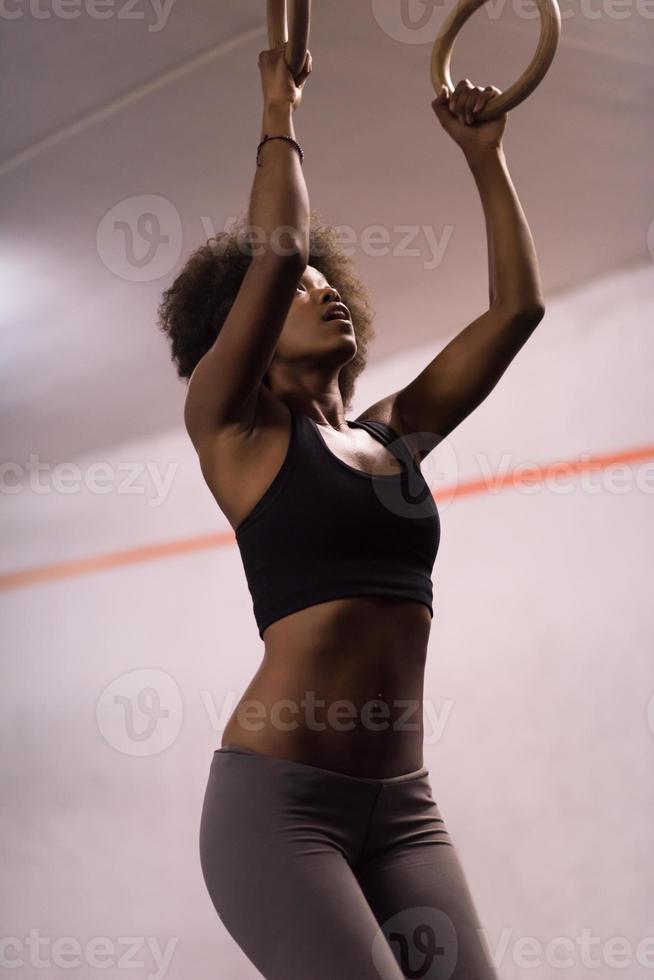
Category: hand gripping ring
<point>550,32</point>
<point>300,21</point>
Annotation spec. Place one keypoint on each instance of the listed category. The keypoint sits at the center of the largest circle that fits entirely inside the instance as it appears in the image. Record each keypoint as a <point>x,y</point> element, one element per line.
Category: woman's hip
<point>262,808</point>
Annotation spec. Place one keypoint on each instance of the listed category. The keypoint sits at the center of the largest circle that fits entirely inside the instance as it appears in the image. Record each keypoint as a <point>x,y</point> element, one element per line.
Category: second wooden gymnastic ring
<point>550,32</point>
<point>300,23</point>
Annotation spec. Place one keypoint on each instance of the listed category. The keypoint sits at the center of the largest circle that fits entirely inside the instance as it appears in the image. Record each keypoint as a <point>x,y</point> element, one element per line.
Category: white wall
<point>540,671</point>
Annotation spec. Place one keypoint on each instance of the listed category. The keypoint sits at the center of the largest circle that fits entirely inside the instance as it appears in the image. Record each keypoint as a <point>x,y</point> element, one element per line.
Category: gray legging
<point>318,875</point>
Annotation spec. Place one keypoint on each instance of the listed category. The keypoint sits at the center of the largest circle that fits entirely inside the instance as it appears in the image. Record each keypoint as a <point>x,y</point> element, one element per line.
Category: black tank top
<point>324,530</point>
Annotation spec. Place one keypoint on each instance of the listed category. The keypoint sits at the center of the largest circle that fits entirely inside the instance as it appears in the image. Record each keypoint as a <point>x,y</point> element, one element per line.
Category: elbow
<point>290,245</point>
<point>528,314</point>
<point>301,255</point>
<point>536,311</point>
<point>294,250</point>
<point>293,255</point>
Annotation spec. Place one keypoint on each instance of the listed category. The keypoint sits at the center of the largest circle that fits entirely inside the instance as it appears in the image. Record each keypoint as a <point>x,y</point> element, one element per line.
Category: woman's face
<point>314,328</point>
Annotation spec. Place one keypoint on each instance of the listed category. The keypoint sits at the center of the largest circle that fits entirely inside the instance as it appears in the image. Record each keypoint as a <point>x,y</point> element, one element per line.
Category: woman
<point>321,845</point>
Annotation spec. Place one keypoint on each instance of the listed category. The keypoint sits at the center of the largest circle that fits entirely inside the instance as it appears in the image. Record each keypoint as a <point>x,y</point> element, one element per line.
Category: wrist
<point>482,155</point>
<point>277,119</point>
<point>281,110</point>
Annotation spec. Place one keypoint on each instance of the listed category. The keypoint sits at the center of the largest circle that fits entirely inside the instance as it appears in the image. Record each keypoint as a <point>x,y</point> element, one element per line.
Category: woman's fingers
<point>488,93</point>
<point>458,95</point>
<point>479,103</point>
<point>306,70</point>
<point>469,104</point>
<point>467,100</point>
<point>442,96</point>
<point>460,102</point>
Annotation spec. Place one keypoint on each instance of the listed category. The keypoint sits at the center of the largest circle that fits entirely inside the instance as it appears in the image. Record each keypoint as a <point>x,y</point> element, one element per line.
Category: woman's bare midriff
<point>340,686</point>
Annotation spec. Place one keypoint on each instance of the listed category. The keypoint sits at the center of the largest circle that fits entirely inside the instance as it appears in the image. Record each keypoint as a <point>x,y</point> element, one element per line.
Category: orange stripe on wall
<point>114,559</point>
<point>539,474</point>
<point>76,567</point>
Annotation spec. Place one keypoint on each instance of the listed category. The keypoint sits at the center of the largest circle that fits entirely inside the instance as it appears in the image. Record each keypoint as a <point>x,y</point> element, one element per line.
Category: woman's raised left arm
<point>461,376</point>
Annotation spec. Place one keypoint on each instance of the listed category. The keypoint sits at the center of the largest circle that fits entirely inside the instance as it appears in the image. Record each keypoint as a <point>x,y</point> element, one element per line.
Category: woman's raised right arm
<point>224,386</point>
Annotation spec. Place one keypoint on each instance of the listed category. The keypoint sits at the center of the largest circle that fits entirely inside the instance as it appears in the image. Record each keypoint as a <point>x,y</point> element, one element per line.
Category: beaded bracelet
<point>289,139</point>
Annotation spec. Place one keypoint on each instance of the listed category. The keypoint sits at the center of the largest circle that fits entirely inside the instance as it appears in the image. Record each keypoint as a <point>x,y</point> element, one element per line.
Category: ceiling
<point>155,109</point>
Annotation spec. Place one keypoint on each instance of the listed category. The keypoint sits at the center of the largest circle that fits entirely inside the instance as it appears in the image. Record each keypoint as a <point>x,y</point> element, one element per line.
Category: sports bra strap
<point>383,432</point>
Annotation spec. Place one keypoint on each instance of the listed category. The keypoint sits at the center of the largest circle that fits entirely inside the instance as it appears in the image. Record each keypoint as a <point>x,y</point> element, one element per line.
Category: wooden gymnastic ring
<point>300,21</point>
<point>550,32</point>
